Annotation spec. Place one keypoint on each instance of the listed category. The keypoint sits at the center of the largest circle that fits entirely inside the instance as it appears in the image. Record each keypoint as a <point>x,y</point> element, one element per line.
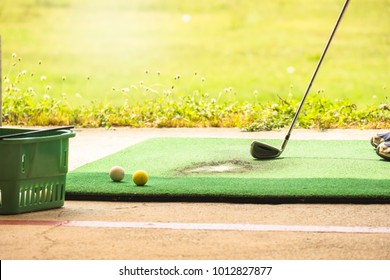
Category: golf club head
<point>264,151</point>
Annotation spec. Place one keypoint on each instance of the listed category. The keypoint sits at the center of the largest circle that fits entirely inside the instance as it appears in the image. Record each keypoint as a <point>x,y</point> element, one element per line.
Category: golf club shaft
<point>27,133</point>
<point>314,75</point>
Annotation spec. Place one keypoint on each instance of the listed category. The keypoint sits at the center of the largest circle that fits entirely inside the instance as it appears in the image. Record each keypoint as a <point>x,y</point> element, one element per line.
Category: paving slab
<point>55,240</point>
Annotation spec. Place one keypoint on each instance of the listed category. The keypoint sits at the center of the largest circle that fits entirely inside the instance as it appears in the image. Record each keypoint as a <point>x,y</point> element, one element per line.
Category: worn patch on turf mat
<point>228,166</point>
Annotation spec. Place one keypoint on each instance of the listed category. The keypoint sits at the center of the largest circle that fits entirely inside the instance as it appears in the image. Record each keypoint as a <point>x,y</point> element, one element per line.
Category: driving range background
<point>261,50</point>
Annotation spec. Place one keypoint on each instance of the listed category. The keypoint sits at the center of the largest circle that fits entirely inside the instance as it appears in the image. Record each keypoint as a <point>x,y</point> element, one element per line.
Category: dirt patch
<point>209,167</point>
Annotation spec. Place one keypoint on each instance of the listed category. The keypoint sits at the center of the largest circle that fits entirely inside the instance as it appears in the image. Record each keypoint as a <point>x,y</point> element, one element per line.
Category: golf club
<point>261,150</point>
<point>28,133</point>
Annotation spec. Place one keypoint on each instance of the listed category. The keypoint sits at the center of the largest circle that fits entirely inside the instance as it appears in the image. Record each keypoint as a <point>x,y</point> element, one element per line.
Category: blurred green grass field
<point>257,49</point>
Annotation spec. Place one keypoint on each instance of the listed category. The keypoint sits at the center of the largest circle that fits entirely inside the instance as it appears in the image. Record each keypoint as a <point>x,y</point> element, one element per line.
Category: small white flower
<point>48,87</point>
<point>46,96</point>
<point>186,18</point>
<point>228,89</point>
<point>43,78</point>
<point>6,80</point>
<point>125,90</point>
<point>290,69</point>
<point>14,55</point>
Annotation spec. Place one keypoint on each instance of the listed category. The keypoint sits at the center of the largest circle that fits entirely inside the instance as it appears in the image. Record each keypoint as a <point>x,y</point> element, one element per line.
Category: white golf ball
<point>186,18</point>
<point>117,173</point>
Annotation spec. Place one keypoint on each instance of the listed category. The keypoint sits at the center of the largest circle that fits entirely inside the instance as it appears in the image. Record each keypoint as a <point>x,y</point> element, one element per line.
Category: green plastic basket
<point>33,170</point>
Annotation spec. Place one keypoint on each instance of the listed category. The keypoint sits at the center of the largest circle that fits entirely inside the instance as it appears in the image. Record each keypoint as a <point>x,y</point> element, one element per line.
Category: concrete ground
<point>122,230</point>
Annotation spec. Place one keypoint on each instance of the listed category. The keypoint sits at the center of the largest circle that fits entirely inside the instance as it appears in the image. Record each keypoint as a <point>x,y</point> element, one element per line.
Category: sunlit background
<point>236,50</point>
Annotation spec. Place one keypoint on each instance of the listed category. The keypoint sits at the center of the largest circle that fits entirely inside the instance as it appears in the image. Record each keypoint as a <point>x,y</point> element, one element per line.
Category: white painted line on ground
<point>202,226</point>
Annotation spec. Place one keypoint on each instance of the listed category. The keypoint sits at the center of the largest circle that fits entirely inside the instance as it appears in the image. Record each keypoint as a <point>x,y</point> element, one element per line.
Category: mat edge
<point>232,199</point>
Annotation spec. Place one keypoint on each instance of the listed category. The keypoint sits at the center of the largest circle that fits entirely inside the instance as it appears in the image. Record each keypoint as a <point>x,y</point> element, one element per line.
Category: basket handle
<point>34,132</point>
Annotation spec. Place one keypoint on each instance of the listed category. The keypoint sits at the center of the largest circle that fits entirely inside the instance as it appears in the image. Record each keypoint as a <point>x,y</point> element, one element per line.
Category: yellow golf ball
<point>140,177</point>
<point>117,173</point>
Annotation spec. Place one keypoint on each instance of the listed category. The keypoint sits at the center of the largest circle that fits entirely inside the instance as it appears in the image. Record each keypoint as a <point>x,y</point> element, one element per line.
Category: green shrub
<point>23,106</point>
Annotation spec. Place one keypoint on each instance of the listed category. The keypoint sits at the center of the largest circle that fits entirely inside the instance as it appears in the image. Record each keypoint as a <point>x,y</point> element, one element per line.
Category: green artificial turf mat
<point>222,170</point>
